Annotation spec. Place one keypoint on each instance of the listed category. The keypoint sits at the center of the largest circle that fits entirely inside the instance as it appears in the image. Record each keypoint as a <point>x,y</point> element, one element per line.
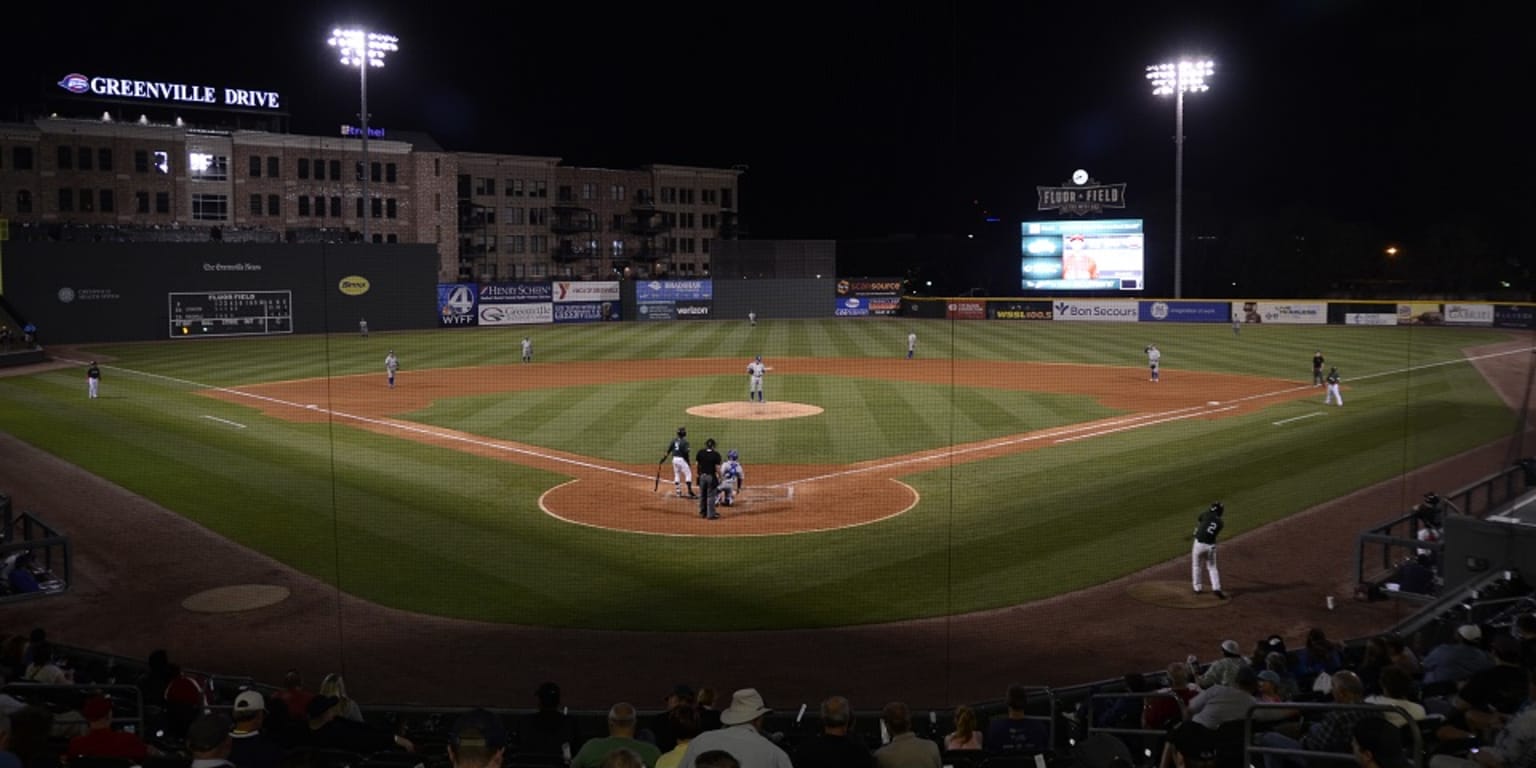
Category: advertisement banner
<point>914,308</point>
<point>693,310</point>
<point>656,310</point>
<point>1185,312</point>
<point>1468,314</point>
<point>1514,316</point>
<point>1096,311</point>
<point>584,312</point>
<point>516,314</point>
<point>850,306</point>
<point>1020,310</point>
<point>1419,313</point>
<point>1369,318</point>
<point>967,310</point>
<point>586,291</point>
<point>456,304</point>
<point>516,293</point>
<point>1281,313</point>
<point>883,305</point>
<point>869,286</point>
<point>674,290</point>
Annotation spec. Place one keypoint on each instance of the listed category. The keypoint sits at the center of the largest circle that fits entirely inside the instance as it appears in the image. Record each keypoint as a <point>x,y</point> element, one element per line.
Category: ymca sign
<point>155,90</point>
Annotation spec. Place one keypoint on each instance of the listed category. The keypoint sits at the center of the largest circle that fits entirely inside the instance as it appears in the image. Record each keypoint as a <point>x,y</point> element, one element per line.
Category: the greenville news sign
<point>159,90</point>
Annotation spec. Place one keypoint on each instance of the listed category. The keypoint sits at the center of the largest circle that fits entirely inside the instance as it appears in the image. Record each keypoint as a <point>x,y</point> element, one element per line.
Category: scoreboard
<point>230,313</point>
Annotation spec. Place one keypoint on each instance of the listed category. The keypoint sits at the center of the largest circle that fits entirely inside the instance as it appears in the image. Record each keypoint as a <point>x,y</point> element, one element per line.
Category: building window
<point>390,172</point>
<point>255,167</point>
<point>437,170</point>
<point>274,205</point>
<point>375,172</point>
<point>303,167</point>
<point>588,191</point>
<point>141,202</point>
<point>538,216</point>
<point>539,189</point>
<point>23,201</point>
<point>335,171</point>
<point>437,233</point>
<point>66,200</point>
<point>616,192</point>
<point>618,222</point>
<point>725,199</point>
<point>685,196</point>
<point>391,238</point>
<point>162,202</point>
<point>519,244</point>
<point>141,161</point>
<point>538,244</point>
<point>389,208</point>
<point>21,158</point>
<point>84,158</point>
<point>490,244</point>
<point>618,248</point>
<point>704,245</point>
<point>105,202</point>
<point>485,186</point>
<point>335,206</point>
<point>87,202</point>
<point>377,207</point>
<point>711,220</point>
<point>162,162</point>
<point>273,166</point>
<point>437,202</point>
<point>707,196</point>
<point>304,205</point>
<point>378,238</point>
<point>517,216</point>
<point>515,187</point>
<point>66,159</point>
<point>319,205</point>
<point>205,167</point>
<point>255,205</point>
<point>210,207</point>
<point>357,168</point>
<point>359,201</point>
<point>104,158</point>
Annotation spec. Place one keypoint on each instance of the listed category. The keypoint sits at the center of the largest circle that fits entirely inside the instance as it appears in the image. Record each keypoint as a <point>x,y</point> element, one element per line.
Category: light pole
<point>363,49</point>
<point>1176,78</point>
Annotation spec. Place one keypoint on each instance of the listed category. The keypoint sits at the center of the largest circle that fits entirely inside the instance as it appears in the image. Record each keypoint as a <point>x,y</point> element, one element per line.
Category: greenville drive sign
<point>156,90</point>
<point>1081,195</point>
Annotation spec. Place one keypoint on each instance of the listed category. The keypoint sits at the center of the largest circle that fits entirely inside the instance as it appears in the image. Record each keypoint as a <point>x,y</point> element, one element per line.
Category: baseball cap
<point>1270,675</point>
<point>1470,632</point>
<point>1231,646</point>
<point>208,732</point>
<point>478,728</point>
<point>96,707</point>
<point>1275,643</point>
<point>250,701</point>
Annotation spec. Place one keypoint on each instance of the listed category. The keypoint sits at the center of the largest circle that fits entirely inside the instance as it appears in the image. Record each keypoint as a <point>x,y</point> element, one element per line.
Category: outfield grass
<point>438,531</point>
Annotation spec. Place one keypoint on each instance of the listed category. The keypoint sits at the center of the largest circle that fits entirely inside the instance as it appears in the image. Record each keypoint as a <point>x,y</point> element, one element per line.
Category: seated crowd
<point>1471,701</point>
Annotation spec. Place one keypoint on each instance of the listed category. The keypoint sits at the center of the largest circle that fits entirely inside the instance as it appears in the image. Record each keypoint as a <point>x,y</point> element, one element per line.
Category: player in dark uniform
<point>93,380</point>
<point>709,479</point>
<point>1317,369</point>
<point>1206,530</point>
<point>679,452</point>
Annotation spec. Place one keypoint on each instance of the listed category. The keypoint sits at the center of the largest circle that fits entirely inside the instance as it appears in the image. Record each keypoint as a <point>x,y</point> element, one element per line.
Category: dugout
<point>96,292</point>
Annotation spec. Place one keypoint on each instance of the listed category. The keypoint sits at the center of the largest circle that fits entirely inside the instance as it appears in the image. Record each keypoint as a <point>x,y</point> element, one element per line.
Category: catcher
<point>732,477</point>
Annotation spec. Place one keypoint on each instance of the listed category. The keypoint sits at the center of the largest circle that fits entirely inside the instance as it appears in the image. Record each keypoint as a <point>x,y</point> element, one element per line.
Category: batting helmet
<point>759,358</point>
<point>1217,508</point>
<point>682,431</point>
<point>732,454</point>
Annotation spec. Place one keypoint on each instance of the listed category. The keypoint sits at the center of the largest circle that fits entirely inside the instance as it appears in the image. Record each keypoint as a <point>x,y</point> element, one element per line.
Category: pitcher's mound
<point>1173,594</point>
<point>754,411</point>
<point>241,597</point>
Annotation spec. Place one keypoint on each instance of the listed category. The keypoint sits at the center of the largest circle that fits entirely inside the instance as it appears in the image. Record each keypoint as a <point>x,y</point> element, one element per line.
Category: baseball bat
<point>656,486</point>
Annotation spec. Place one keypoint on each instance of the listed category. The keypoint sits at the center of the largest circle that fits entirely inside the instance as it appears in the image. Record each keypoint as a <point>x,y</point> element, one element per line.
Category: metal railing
<point>1416,755</point>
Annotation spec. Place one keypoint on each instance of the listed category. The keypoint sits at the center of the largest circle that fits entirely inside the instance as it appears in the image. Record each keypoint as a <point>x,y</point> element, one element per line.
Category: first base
<point>1213,402</point>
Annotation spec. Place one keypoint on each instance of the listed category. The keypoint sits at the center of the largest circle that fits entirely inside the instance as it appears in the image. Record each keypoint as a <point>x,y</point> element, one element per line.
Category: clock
<point>1079,177</point>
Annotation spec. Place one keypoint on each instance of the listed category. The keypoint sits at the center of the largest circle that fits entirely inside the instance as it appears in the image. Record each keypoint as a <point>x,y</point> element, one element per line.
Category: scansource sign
<point>1282,313</point>
<point>1185,312</point>
<point>1096,311</point>
<point>588,291</point>
<point>674,290</point>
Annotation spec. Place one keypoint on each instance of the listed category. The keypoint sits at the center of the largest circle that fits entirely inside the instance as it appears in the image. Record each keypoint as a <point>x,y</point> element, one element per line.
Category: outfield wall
<point>1242,312</point>
<point>81,292</point>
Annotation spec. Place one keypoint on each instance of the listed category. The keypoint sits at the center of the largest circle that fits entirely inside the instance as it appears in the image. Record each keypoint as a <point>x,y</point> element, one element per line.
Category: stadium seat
<point>100,762</point>
<point>964,758</point>
<point>530,760</point>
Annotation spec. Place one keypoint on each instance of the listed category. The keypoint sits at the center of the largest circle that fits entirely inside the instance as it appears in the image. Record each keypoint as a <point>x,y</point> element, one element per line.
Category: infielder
<point>1206,530</point>
<point>93,380</point>
<point>362,327</point>
<point>752,319</point>
<point>391,364</point>
<point>1154,358</point>
<point>732,478</point>
<point>911,345</point>
<point>755,371</point>
<point>1333,395</point>
<point>681,471</point>
<point>527,350</point>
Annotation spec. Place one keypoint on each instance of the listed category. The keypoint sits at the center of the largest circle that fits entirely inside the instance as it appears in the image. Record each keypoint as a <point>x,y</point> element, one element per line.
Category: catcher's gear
<point>732,454</point>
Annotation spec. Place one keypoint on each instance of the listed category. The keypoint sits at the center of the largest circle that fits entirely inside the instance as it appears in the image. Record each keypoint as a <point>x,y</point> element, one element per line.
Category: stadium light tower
<point>363,49</point>
<point>1175,79</point>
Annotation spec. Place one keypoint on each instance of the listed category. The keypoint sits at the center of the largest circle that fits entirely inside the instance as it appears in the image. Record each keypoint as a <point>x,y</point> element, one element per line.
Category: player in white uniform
<point>1154,360</point>
<point>911,345</point>
<point>732,478</point>
<point>527,350</point>
<point>755,371</point>
<point>391,364</point>
<point>1333,395</point>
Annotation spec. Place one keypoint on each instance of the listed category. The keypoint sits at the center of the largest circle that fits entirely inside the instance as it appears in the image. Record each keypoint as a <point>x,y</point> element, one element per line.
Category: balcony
<point>647,224</point>
<point>566,253</point>
<point>570,223</point>
<point>648,253</point>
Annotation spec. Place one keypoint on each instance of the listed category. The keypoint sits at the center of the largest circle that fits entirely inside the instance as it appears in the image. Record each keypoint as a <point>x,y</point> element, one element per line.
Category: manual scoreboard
<point>230,313</point>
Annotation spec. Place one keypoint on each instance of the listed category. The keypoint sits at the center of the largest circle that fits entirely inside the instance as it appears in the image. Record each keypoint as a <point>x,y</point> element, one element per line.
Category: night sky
<point>858,120</point>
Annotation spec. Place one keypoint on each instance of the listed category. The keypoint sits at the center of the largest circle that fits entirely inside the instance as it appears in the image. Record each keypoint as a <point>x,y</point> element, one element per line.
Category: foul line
<point>1296,418</point>
<point>224,421</point>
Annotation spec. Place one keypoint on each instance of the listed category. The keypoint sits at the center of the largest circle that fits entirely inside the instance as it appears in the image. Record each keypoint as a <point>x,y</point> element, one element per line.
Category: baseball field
<point>1006,463</point>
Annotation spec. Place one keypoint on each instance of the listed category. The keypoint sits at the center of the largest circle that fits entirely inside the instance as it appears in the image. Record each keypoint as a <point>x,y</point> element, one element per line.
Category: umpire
<point>709,479</point>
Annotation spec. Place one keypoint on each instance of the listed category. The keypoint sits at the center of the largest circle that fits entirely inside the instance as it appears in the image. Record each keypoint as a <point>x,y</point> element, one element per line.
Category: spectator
<point>1334,733</point>
<point>833,747</point>
<point>100,740</point>
<point>12,657</point>
<point>478,739</point>
<point>1160,711</point>
<point>621,735</point>
<point>184,701</point>
<point>965,736</point>
<point>709,717</point>
<point>1491,695</point>
<point>30,730</point>
<point>332,685</point>
<point>1223,671</point>
<point>1125,711</point>
<point>1397,691</point>
<point>8,759</point>
<point>293,695</point>
<point>1224,703</point>
<point>1017,733</point>
<point>717,758</point>
<point>1513,748</point>
<point>623,758</point>
<point>1525,631</point>
<point>1455,660</point>
<point>660,724</point>
<point>548,730</point>
<point>209,742</point>
<point>249,746</point>
<point>684,726</point>
<point>1269,687</point>
<point>1191,745</point>
<point>905,749</point>
<point>9,704</point>
<point>1402,656</point>
<point>156,677</point>
<point>329,730</point>
<point>1320,656</point>
<point>42,668</point>
<point>1376,657</point>
<point>740,735</point>
<point>1378,744</point>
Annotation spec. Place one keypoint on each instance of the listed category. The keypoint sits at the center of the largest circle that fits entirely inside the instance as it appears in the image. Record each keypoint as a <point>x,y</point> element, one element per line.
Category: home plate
<point>312,407</point>
<point>1208,402</point>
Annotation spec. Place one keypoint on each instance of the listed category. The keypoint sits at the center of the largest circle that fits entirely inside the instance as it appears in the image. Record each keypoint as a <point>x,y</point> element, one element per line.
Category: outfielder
<point>391,365</point>
<point>681,472</point>
<point>755,379</point>
<point>732,478</point>
<point>911,345</point>
<point>1206,530</point>
<point>1154,358</point>
<point>1333,395</point>
<point>527,350</point>
<point>93,380</point>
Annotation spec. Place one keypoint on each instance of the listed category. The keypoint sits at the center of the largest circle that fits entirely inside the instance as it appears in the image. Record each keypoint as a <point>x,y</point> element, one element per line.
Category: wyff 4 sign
<point>1088,255</point>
